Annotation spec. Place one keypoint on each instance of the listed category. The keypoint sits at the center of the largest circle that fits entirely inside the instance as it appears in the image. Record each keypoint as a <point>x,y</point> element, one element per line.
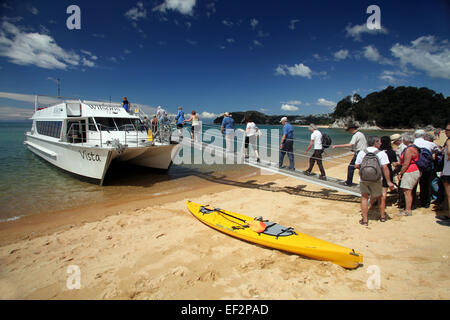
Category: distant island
<point>261,118</point>
<point>400,107</point>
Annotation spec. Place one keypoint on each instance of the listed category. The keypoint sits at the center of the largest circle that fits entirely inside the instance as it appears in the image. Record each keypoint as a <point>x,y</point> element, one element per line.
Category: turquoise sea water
<point>29,185</point>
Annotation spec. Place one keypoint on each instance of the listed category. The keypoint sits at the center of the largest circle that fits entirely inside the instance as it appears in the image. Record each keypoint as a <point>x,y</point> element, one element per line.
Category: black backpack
<point>326,141</point>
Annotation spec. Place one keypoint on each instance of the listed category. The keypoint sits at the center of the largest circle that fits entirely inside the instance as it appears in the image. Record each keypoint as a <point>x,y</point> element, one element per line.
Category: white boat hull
<point>93,162</point>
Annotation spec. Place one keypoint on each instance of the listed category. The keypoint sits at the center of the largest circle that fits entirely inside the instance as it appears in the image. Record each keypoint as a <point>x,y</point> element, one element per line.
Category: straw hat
<point>284,119</point>
<point>395,137</point>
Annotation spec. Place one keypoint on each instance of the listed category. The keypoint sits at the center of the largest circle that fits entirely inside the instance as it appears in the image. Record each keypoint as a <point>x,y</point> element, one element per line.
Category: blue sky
<point>278,57</point>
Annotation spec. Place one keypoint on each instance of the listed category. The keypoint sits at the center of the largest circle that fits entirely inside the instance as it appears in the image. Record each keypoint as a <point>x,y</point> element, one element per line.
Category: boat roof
<point>82,108</point>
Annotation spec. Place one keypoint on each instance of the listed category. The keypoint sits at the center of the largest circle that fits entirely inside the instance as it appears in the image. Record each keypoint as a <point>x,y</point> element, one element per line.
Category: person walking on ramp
<point>287,144</point>
<point>316,140</point>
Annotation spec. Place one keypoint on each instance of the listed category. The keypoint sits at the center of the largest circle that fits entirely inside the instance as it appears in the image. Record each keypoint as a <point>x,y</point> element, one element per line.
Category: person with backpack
<point>316,140</point>
<point>445,177</point>
<point>409,174</point>
<point>392,157</point>
<point>372,165</point>
<point>357,143</point>
<point>428,148</point>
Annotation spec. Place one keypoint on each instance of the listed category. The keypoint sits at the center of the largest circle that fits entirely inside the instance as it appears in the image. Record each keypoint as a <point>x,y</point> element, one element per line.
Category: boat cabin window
<point>76,131</point>
<point>117,124</point>
<point>49,128</point>
<point>124,124</point>
<point>106,124</point>
<point>91,125</point>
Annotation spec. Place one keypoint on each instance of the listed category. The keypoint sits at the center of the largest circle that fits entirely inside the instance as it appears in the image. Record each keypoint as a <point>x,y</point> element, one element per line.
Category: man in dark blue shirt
<point>180,122</point>
<point>228,126</point>
<point>287,144</point>
<point>125,104</point>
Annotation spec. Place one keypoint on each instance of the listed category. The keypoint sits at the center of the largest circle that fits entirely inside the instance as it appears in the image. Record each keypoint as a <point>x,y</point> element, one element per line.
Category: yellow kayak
<point>275,236</point>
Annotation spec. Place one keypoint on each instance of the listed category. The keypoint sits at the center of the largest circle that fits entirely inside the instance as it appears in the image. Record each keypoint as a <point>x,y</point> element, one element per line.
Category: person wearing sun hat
<point>357,143</point>
<point>397,140</point>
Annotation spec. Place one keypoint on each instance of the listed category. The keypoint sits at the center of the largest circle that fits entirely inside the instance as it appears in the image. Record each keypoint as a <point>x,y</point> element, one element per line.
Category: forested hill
<point>401,107</point>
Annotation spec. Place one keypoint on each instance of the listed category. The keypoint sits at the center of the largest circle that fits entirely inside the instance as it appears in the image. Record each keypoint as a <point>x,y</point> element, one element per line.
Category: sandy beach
<point>153,248</point>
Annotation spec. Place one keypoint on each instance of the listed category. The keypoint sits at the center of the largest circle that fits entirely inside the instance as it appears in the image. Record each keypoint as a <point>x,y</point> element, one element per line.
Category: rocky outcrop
<point>342,122</point>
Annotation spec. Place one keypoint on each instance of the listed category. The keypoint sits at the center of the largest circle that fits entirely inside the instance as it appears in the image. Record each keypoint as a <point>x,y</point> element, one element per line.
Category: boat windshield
<point>119,124</point>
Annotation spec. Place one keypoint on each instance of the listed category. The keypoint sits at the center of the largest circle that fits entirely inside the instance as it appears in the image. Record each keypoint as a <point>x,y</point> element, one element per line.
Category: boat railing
<point>127,135</point>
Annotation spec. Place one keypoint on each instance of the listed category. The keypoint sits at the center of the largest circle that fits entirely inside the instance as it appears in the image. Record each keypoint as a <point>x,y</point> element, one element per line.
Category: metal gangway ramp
<point>238,158</point>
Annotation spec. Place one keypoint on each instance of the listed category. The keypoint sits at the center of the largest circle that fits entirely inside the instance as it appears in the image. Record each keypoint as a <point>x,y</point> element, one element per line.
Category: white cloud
<point>10,113</point>
<point>32,10</point>
<point>208,115</point>
<point>326,103</point>
<point>136,13</point>
<point>296,70</point>
<point>371,53</point>
<point>425,54</point>
<point>294,102</point>
<point>230,40</point>
<point>357,30</point>
<point>257,43</point>
<point>32,48</point>
<point>211,9</point>
<point>191,42</point>
<point>289,107</point>
<point>262,34</point>
<point>27,97</point>
<point>292,24</point>
<point>182,6</point>
<point>395,77</point>
<point>228,23</point>
<point>342,54</point>
<point>254,23</point>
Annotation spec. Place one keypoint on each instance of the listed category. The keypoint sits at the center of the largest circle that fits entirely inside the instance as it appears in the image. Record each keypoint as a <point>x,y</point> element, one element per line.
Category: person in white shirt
<point>422,143</point>
<point>316,140</point>
<point>426,176</point>
<point>373,189</point>
<point>251,137</point>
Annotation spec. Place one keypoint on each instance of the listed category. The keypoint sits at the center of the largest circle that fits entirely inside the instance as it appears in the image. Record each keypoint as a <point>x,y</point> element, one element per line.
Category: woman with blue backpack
<point>409,174</point>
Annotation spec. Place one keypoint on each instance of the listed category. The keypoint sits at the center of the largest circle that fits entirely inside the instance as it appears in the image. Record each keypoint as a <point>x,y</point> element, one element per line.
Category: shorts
<point>374,188</point>
<point>410,179</point>
<point>193,129</point>
<point>179,126</point>
<point>445,179</point>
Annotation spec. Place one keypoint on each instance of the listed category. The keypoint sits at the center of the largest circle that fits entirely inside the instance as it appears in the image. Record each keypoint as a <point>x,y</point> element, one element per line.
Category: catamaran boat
<point>84,137</point>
